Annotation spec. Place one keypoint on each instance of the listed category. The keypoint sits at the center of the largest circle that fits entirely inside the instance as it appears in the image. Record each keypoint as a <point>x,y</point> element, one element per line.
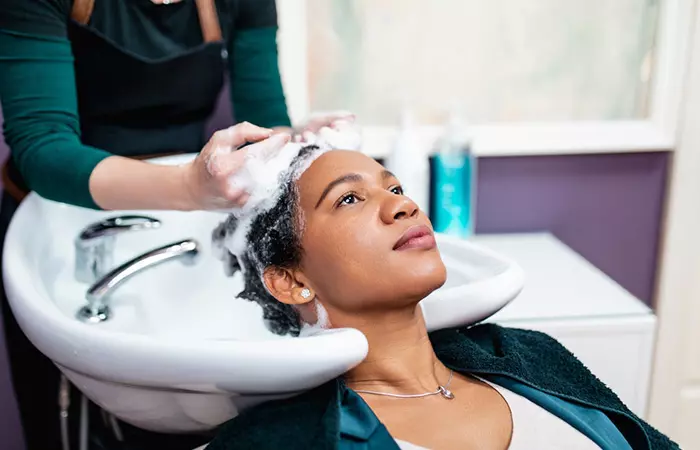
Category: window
<point>498,61</point>
<point>555,76</point>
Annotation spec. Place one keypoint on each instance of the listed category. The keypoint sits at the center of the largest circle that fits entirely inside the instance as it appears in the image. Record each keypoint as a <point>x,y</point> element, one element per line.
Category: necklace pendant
<point>446,392</point>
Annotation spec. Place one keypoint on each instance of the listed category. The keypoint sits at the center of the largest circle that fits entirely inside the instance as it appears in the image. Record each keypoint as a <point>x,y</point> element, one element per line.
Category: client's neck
<point>401,358</point>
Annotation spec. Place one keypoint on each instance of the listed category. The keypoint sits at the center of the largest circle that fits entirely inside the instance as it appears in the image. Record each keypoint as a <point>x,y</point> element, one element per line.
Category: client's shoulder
<point>298,422</point>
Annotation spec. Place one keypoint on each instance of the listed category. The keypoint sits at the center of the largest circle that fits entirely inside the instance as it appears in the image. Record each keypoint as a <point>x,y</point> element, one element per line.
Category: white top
<point>403,445</point>
<point>533,427</point>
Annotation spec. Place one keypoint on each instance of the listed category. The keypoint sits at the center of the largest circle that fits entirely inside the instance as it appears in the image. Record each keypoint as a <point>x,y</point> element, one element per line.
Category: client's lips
<point>419,236</point>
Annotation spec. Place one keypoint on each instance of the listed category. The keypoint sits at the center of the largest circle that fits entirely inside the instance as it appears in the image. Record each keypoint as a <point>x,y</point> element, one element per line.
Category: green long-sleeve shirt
<point>38,88</point>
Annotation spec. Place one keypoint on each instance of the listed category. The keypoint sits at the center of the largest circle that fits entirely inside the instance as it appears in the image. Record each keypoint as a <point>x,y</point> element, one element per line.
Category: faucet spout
<point>97,310</point>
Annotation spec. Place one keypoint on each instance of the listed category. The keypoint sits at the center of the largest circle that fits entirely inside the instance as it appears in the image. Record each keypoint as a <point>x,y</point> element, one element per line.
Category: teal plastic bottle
<point>454,177</point>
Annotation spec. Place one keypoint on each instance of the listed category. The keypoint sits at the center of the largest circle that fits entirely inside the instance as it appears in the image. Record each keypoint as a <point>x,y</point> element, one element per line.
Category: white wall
<point>675,399</point>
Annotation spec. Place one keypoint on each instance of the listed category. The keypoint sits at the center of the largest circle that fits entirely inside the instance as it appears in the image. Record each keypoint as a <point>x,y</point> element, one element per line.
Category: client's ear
<point>284,285</point>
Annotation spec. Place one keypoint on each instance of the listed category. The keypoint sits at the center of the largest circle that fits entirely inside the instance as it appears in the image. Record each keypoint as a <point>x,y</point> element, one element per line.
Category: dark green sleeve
<point>39,101</point>
<point>256,87</point>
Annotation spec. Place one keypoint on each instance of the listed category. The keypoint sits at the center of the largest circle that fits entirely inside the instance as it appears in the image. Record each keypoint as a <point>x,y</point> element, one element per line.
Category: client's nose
<point>398,208</point>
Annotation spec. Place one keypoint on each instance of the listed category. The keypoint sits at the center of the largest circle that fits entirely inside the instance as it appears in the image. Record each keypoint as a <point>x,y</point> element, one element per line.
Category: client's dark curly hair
<point>274,239</point>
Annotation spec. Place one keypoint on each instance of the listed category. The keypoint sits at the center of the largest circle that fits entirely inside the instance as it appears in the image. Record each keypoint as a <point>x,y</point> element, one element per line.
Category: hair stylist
<point>88,87</point>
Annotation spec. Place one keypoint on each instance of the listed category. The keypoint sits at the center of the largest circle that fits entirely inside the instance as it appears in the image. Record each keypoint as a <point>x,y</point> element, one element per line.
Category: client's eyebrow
<point>386,174</point>
<point>348,178</point>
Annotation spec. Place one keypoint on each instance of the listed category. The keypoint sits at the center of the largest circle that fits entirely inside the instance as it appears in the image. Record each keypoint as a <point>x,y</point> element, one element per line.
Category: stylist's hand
<point>321,122</point>
<point>207,176</point>
<point>332,130</point>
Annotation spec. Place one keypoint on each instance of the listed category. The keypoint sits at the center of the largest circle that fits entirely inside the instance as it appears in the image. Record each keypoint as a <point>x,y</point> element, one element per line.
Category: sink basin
<point>180,353</point>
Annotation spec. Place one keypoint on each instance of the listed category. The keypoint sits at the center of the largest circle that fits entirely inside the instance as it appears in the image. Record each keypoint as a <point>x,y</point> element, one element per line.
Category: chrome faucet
<point>94,246</point>
<point>97,310</point>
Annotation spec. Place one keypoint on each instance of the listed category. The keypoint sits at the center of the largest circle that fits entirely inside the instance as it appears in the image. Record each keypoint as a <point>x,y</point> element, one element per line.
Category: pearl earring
<point>305,293</point>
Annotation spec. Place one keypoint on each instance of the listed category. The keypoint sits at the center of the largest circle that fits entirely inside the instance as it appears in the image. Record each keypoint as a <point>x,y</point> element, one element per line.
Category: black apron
<point>133,107</point>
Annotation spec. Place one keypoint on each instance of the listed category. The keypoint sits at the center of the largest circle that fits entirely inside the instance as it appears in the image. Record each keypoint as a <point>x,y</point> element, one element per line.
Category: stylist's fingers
<point>215,155</point>
<point>223,163</point>
<point>269,147</point>
<point>237,183</point>
<point>207,177</point>
<point>239,134</point>
<point>342,136</point>
<point>327,119</point>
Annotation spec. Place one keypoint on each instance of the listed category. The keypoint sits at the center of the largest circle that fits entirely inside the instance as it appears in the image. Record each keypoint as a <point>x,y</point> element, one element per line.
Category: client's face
<point>365,245</point>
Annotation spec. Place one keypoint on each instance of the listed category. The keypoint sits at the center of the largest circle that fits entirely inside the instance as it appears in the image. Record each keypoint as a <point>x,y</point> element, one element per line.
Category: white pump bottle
<point>410,163</point>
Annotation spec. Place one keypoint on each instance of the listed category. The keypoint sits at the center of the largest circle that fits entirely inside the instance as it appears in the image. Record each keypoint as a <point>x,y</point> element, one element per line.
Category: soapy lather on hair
<point>267,227</point>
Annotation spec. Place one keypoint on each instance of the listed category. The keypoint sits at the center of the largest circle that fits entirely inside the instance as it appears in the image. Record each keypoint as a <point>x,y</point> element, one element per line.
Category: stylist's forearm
<point>123,183</point>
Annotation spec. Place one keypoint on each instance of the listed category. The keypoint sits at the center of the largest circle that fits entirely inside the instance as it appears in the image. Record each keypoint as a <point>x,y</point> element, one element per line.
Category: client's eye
<point>398,190</point>
<point>348,199</point>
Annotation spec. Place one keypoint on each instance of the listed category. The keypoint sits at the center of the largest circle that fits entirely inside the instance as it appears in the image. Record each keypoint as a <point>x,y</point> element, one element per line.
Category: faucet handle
<point>94,246</point>
<point>117,225</point>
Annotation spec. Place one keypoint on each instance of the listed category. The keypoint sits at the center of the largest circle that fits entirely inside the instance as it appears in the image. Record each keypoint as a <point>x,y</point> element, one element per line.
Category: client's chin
<point>420,280</point>
<point>418,270</point>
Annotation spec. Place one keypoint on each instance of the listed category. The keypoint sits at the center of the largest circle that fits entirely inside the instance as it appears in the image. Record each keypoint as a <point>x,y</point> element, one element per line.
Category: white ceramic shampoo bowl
<point>180,353</point>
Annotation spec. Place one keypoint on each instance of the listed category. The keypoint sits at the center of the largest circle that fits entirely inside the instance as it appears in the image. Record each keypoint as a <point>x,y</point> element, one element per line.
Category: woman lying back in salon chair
<point>342,246</point>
